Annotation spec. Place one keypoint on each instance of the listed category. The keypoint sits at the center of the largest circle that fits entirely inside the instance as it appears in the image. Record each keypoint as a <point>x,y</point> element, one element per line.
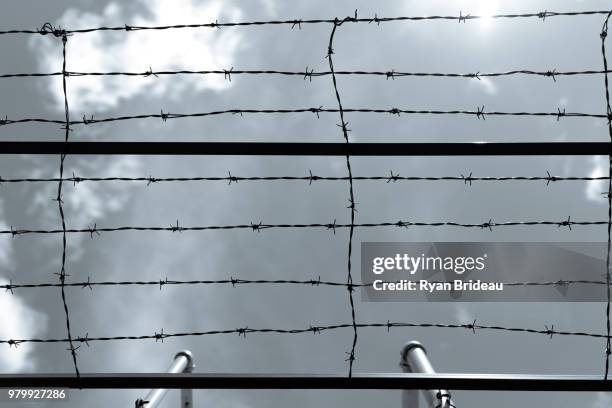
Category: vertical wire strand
<point>62,274</point>
<point>603,35</point>
<point>343,125</point>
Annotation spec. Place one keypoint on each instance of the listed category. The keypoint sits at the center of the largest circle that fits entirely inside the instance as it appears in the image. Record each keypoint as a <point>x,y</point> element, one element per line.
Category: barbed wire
<point>9,287</point>
<point>59,199</point>
<point>309,74</point>
<point>543,15</point>
<point>352,203</point>
<point>467,180</point>
<point>608,351</point>
<point>473,327</point>
<point>479,113</point>
<point>258,227</point>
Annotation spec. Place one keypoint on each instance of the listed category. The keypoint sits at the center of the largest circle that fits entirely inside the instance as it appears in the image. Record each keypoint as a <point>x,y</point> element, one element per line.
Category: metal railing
<point>182,363</point>
<point>414,360</point>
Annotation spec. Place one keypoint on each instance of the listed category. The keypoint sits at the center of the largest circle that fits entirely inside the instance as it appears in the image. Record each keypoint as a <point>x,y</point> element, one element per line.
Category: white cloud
<point>485,84</point>
<point>87,202</point>
<point>19,321</point>
<point>200,48</point>
<point>594,189</point>
<point>6,246</point>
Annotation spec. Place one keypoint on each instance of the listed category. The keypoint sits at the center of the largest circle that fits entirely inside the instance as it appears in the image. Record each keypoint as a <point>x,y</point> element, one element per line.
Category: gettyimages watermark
<point>484,271</point>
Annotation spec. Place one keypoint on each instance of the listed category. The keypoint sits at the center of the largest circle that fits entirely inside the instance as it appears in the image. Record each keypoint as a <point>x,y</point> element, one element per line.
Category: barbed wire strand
<point>62,274</point>
<point>473,327</point>
<point>466,179</point>
<point>608,351</point>
<point>343,125</point>
<point>331,226</point>
<point>9,287</point>
<point>309,74</point>
<point>543,15</point>
<point>479,113</point>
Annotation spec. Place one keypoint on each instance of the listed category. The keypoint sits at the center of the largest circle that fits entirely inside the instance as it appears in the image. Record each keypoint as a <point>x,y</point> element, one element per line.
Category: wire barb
<point>468,179</point>
<point>480,112</point>
<point>308,74</point>
<point>150,72</point>
<point>227,74</point>
<point>392,177</point>
<point>176,228</point>
<point>550,331</point>
<point>550,178</point>
<point>160,336</point>
<point>87,284</point>
<point>463,18</point>
<point>9,287</point>
<point>567,223</point>
<point>93,230</point>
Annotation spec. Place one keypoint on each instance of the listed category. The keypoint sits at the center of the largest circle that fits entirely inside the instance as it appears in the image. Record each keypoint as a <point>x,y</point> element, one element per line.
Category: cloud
<point>485,84</point>
<point>102,51</point>
<point>19,321</point>
<point>6,245</point>
<point>595,188</point>
<point>86,202</point>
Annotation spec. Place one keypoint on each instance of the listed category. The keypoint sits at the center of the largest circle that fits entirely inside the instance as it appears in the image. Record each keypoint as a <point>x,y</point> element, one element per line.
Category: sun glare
<point>486,10</point>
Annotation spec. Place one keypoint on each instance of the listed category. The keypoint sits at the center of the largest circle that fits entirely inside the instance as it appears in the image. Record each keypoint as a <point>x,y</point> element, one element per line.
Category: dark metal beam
<point>308,149</point>
<point>484,382</point>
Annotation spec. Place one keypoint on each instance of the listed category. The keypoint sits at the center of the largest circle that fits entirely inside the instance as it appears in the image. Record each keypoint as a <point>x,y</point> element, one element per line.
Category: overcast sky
<point>559,43</point>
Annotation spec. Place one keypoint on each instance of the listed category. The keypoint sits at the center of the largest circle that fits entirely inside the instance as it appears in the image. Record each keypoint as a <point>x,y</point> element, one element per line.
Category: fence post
<point>182,363</point>
<point>187,394</point>
<point>414,360</point>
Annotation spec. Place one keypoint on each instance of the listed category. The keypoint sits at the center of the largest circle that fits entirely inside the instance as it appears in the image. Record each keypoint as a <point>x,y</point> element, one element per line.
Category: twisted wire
<point>343,125</point>
<point>9,287</point>
<point>608,351</point>
<point>479,113</point>
<point>543,15</point>
<point>309,74</point>
<point>466,179</point>
<point>62,274</point>
<point>160,336</point>
<point>332,226</point>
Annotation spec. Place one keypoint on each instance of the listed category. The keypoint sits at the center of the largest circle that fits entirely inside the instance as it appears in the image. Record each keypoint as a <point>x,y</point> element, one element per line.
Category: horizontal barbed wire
<point>310,178</point>
<point>237,281</point>
<point>330,226</point>
<point>309,74</point>
<point>311,329</point>
<point>480,113</point>
<point>461,17</point>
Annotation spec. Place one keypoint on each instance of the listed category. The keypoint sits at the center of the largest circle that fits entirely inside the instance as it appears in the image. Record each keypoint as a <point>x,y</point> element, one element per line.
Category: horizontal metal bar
<point>399,381</point>
<point>308,149</point>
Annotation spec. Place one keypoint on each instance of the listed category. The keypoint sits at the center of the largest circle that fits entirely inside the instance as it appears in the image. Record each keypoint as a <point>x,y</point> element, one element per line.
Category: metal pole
<point>183,363</point>
<point>308,149</point>
<point>187,393</point>
<point>414,360</point>
<point>340,381</point>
